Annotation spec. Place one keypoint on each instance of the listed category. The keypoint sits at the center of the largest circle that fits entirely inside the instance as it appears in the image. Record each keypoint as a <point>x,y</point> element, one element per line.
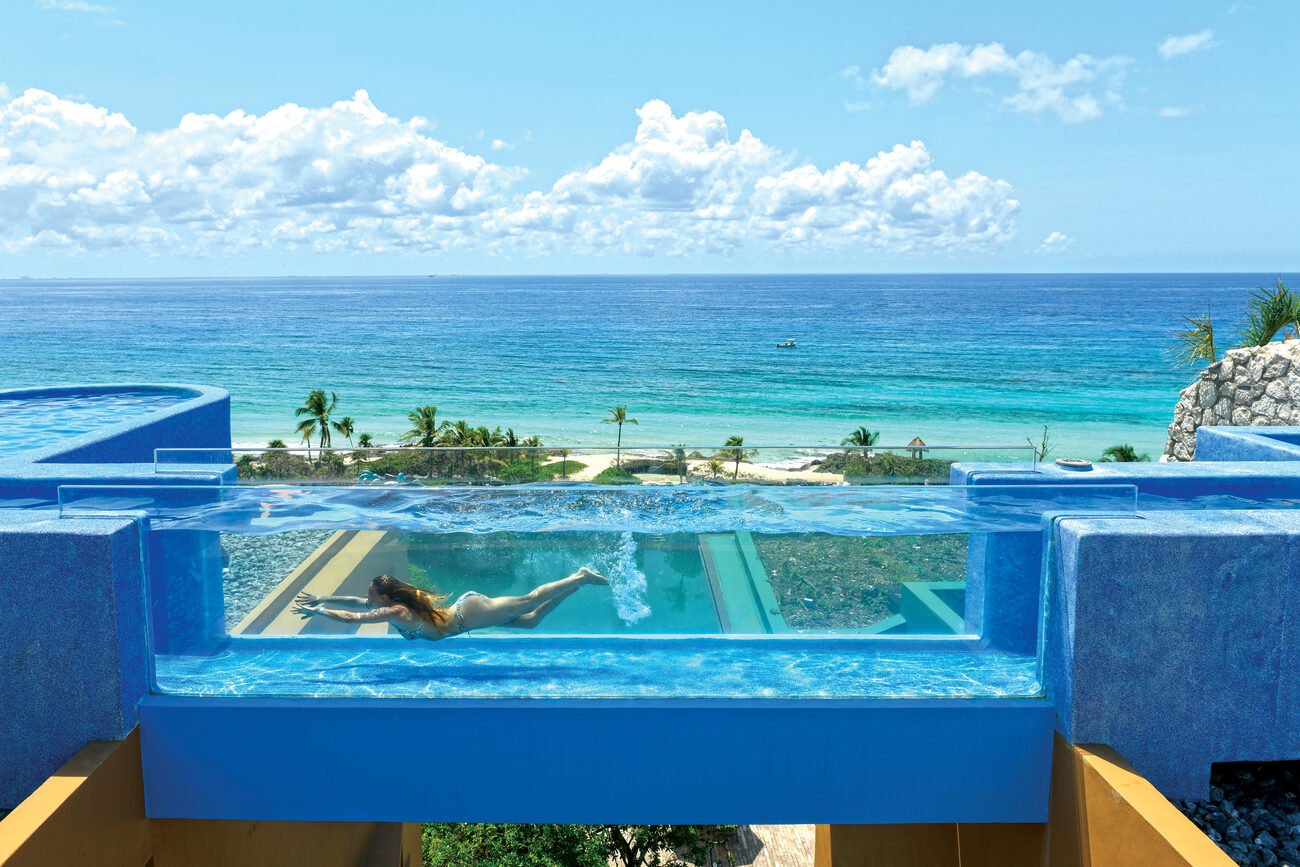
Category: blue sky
<point>542,138</point>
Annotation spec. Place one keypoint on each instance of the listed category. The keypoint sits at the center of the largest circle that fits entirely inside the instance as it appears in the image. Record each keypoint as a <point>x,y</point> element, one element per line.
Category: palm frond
<point>1196,344</point>
<point>1269,311</point>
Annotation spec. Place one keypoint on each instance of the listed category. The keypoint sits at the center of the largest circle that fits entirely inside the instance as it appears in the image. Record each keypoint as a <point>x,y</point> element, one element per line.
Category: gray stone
<point>1206,394</point>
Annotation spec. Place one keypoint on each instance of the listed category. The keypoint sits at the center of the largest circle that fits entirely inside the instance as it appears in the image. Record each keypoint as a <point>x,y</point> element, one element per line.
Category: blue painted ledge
<point>610,761</point>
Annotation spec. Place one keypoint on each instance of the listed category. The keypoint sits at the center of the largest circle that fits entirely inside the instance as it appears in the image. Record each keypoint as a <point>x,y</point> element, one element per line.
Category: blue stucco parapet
<point>74,653</point>
<point>1259,443</point>
<point>1170,639</point>
<point>72,612</point>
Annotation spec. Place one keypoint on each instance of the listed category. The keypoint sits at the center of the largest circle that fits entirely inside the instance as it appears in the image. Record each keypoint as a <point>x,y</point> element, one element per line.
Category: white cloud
<point>500,144</point>
<point>75,6</point>
<point>1056,242</point>
<point>1176,111</point>
<point>856,105</point>
<point>1041,84</point>
<point>1173,46</point>
<point>349,177</point>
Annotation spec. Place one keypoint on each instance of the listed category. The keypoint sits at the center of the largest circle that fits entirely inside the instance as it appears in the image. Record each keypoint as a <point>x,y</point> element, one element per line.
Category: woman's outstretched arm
<point>377,615</point>
<point>306,598</point>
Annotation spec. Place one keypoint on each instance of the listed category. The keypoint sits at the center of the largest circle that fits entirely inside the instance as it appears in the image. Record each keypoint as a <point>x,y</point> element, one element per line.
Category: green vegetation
<point>345,426</point>
<point>715,467</point>
<point>615,476</point>
<point>735,451</point>
<point>529,469</point>
<point>456,845</point>
<point>365,441</point>
<point>1196,344</point>
<point>1123,454</point>
<point>1044,446</point>
<point>849,582</point>
<point>276,444</point>
<point>887,468</point>
<point>618,416</point>
<point>1269,310</point>
<point>317,409</point>
<point>424,427</point>
<point>862,438</point>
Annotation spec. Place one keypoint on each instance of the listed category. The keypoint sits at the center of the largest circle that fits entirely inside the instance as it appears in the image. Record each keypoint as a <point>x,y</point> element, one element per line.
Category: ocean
<point>956,359</point>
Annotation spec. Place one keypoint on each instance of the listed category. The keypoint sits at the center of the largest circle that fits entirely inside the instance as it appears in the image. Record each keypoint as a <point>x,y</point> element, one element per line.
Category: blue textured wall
<point>74,650</point>
<point>1173,640</point>
<point>72,610</point>
<point>1263,443</point>
<point>597,761</point>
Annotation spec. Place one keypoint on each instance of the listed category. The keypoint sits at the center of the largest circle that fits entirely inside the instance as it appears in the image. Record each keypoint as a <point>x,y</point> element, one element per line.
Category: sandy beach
<point>697,469</point>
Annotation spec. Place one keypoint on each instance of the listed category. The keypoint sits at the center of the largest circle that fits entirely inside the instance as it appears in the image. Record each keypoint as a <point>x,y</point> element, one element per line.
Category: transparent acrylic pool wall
<point>442,465</point>
<point>977,638</point>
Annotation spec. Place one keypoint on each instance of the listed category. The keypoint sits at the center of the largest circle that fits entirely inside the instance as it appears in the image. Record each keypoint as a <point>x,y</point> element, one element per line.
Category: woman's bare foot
<point>591,576</point>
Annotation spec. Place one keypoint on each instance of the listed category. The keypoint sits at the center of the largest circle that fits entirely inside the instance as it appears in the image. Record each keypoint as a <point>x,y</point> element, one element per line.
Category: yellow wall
<point>1102,815</point>
<point>91,812</point>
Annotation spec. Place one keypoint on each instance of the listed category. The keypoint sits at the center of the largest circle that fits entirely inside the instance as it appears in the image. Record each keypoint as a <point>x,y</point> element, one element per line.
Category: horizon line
<point>645,274</point>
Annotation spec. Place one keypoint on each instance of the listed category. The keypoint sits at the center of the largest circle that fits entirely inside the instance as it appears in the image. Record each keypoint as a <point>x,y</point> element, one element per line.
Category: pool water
<point>36,422</point>
<point>480,666</point>
<point>657,582</point>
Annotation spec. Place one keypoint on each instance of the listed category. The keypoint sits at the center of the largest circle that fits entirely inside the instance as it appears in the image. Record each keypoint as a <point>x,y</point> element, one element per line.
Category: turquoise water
<point>488,667</point>
<point>659,584</point>
<point>983,359</point>
<point>37,422</point>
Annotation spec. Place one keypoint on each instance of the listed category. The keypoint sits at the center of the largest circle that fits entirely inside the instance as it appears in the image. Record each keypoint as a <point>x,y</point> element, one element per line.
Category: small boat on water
<point>788,343</point>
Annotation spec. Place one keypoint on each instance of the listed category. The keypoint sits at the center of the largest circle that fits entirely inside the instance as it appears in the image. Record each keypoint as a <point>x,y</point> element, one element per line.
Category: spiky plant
<point>1196,344</point>
<point>1122,454</point>
<point>1268,312</point>
<point>1044,446</point>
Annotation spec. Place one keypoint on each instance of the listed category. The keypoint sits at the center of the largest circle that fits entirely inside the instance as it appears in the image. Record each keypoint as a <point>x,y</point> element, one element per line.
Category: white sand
<point>697,469</point>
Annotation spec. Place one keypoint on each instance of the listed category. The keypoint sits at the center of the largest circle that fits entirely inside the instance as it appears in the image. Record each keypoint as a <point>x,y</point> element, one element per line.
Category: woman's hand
<point>306,599</point>
<point>303,610</point>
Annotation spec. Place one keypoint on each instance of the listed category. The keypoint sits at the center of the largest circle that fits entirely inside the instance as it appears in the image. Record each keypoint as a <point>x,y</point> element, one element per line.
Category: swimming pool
<point>696,606</point>
<point>44,418</point>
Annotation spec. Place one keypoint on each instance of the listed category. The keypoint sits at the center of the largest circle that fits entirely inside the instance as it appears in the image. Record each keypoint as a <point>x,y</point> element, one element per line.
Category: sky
<point>242,139</point>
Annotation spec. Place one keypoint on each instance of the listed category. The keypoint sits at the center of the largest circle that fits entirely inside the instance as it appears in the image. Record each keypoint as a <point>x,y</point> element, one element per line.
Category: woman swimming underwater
<point>417,613</point>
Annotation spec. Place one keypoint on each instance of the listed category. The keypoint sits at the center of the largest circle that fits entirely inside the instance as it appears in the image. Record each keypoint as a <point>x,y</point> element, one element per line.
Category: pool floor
<point>488,667</point>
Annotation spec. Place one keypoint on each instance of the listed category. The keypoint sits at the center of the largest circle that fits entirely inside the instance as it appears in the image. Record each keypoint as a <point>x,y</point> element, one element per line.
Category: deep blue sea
<point>960,360</point>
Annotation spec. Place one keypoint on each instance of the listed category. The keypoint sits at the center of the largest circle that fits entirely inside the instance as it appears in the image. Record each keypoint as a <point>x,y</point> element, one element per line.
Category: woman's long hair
<point>426,605</point>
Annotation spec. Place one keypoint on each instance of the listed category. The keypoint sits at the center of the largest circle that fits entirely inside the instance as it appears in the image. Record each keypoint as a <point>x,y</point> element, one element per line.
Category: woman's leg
<point>480,611</point>
<point>534,617</point>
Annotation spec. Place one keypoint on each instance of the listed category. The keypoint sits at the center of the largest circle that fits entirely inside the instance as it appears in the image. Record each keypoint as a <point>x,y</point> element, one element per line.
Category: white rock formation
<point>1259,385</point>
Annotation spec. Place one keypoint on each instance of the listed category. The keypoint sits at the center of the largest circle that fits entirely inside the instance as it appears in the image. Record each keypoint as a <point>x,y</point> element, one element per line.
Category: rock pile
<point>1253,812</point>
<point>1258,385</point>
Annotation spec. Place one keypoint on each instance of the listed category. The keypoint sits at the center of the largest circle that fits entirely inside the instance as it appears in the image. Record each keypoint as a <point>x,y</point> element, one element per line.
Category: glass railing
<point>725,592</point>
<point>507,465</point>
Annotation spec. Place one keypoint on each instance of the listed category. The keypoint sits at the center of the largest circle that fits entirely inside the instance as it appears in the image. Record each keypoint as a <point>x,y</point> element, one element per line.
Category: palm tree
<point>678,461</point>
<point>618,416</point>
<point>317,409</point>
<point>1123,454</point>
<point>276,444</point>
<point>345,426</point>
<point>364,441</point>
<point>424,426</point>
<point>715,467</point>
<point>863,438</point>
<point>457,433</point>
<point>735,450</point>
